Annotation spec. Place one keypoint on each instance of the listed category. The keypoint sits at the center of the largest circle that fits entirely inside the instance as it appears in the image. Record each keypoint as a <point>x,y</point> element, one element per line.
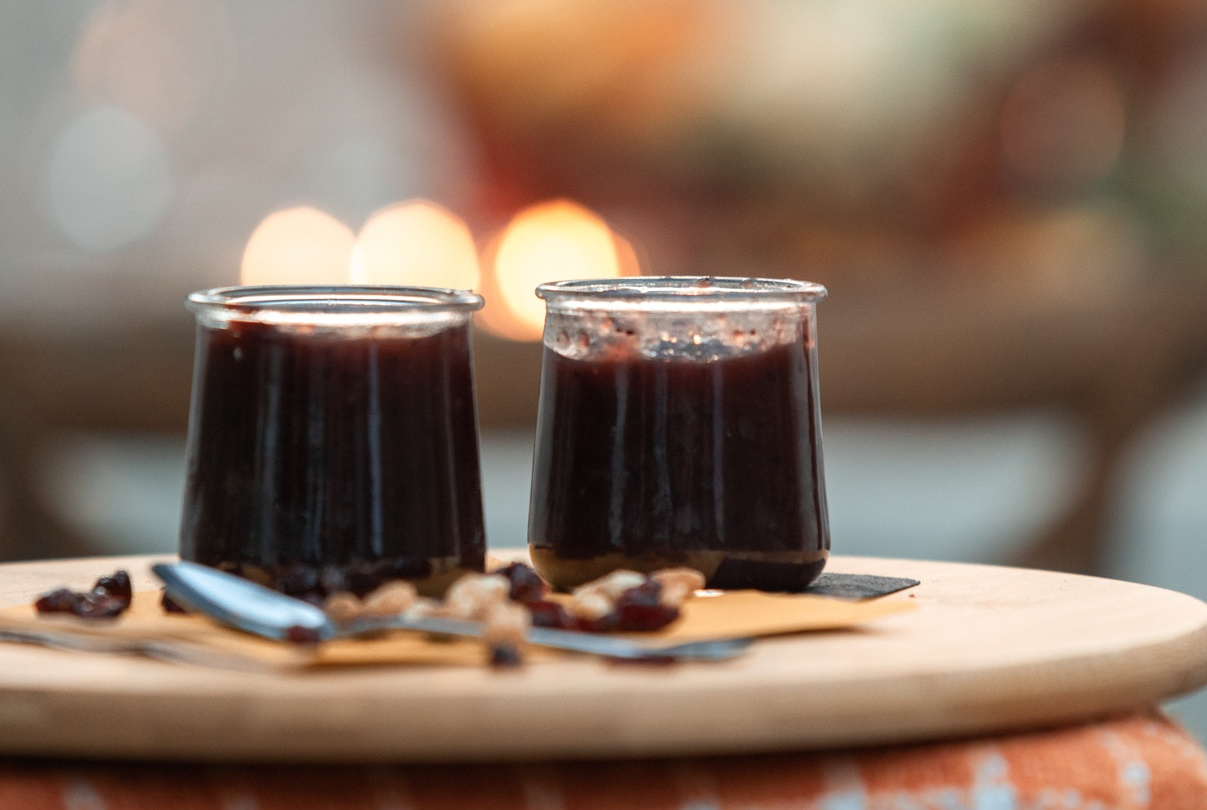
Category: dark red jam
<point>648,463</point>
<point>322,461</point>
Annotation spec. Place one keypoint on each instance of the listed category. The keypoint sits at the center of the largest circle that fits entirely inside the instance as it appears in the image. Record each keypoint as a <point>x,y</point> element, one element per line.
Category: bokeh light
<point>551,241</point>
<point>161,61</point>
<point>108,180</point>
<point>416,243</point>
<point>1179,126</point>
<point>298,246</point>
<point>1063,125</point>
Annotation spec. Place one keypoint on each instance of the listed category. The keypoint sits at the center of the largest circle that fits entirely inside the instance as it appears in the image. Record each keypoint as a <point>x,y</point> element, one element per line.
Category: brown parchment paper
<point>147,629</point>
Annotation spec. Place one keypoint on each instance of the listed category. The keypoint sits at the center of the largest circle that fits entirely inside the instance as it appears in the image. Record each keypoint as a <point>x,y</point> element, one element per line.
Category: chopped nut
<point>342,607</point>
<point>422,607</point>
<point>678,584</point>
<point>596,599</point>
<point>506,623</point>
<point>505,626</point>
<point>615,583</point>
<point>472,596</point>
<point>393,597</point>
<point>590,605</point>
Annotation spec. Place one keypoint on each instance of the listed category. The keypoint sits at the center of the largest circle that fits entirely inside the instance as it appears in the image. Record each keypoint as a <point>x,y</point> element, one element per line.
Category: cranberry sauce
<point>644,463</point>
<point>321,461</point>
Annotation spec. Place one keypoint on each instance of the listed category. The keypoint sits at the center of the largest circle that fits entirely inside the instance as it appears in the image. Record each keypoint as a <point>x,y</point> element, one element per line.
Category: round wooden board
<point>990,649</point>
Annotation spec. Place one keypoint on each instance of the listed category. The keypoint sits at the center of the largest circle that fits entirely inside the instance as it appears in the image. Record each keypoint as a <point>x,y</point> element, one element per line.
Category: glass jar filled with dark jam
<point>333,437</point>
<point>679,424</point>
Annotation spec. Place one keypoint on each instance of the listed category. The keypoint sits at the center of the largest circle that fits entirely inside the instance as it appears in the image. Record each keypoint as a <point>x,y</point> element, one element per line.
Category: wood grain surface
<point>990,649</point>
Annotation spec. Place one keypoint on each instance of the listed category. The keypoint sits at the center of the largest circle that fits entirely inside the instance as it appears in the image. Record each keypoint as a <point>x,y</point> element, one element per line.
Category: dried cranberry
<point>99,606</point>
<point>647,593</point>
<point>604,624</point>
<point>644,618</point>
<point>116,585</point>
<point>505,656</point>
<point>546,613</point>
<point>297,634</point>
<point>169,604</point>
<point>640,609</point>
<point>109,597</point>
<point>60,600</point>
<point>526,584</point>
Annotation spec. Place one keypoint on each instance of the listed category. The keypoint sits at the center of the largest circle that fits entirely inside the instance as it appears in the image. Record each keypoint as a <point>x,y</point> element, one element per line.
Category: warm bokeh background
<point>1008,202</point>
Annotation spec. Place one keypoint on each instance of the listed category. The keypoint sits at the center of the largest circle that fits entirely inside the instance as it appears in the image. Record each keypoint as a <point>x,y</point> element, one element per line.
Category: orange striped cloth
<point>1134,763</point>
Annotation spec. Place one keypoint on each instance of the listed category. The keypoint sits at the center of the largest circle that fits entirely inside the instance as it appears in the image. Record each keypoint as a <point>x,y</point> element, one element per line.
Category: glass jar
<point>333,438</point>
<point>679,424</point>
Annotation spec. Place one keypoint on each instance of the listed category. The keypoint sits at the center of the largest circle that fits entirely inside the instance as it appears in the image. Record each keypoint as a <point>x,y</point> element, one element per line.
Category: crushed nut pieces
<point>506,601</point>
<point>511,599</point>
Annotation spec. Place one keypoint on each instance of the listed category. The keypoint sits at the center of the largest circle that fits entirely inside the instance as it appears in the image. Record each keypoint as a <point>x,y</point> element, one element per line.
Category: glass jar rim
<point>686,291</point>
<point>332,304</point>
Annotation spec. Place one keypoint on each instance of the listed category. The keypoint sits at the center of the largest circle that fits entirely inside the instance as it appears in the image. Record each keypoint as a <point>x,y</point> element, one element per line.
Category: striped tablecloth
<point>1131,763</point>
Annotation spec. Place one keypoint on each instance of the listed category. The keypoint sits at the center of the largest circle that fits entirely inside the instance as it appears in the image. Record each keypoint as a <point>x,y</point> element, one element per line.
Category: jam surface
<point>322,462</point>
<point>646,463</point>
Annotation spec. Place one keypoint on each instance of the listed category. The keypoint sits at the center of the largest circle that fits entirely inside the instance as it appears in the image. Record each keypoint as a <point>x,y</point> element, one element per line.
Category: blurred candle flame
<point>552,241</point>
<point>416,243</point>
<point>298,246</point>
<point>419,243</point>
<point>412,243</point>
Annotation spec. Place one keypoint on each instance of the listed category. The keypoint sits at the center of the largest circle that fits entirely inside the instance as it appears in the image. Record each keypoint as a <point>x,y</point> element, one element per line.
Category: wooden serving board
<point>990,649</point>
